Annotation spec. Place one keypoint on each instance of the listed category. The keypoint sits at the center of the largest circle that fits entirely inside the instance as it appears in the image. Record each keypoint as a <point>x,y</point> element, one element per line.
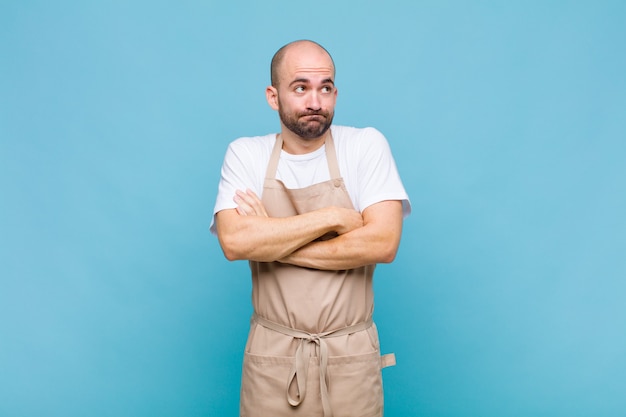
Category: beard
<point>307,125</point>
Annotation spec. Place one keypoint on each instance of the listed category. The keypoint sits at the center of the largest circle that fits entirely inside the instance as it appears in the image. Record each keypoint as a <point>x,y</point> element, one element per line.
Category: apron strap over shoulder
<point>274,158</point>
<point>300,369</point>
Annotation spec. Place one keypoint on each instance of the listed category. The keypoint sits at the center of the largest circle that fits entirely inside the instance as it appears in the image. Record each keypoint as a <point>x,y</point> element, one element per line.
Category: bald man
<point>313,209</point>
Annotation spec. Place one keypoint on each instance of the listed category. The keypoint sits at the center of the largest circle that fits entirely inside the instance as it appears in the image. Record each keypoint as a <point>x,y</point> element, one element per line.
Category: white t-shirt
<point>365,163</point>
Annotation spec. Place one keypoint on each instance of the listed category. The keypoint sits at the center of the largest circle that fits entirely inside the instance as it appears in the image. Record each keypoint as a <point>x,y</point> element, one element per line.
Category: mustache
<point>314,113</point>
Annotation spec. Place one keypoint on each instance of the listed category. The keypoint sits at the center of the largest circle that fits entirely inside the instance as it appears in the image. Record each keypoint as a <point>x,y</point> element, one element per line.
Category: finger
<point>253,195</point>
<point>251,203</point>
<point>256,202</point>
<point>243,206</point>
<point>245,197</point>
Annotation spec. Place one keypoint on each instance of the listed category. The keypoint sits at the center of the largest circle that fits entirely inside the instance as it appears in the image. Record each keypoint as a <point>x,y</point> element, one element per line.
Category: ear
<point>271,94</point>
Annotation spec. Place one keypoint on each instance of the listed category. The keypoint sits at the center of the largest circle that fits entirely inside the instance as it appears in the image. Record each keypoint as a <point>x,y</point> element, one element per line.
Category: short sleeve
<point>243,168</point>
<point>379,179</point>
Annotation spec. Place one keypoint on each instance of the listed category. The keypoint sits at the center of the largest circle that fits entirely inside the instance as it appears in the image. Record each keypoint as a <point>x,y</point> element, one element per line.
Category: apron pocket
<point>356,387</point>
<point>264,388</point>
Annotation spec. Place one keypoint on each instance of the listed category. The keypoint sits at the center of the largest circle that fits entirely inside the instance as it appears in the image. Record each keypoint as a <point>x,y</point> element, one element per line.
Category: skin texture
<point>305,97</point>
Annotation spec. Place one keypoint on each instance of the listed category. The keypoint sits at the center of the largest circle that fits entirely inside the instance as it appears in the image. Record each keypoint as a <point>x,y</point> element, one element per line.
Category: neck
<point>296,145</point>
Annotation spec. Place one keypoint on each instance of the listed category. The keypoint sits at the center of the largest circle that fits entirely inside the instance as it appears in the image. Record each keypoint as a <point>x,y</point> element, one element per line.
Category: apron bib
<point>312,349</point>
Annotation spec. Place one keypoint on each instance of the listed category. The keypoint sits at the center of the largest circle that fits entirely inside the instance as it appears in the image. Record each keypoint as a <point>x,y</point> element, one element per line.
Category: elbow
<point>230,249</point>
<point>230,255</point>
<point>388,256</point>
<point>387,252</point>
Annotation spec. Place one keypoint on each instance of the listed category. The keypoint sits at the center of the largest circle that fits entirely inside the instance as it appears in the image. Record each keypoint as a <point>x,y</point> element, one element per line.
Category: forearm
<point>347,251</point>
<point>376,242</point>
<point>267,239</point>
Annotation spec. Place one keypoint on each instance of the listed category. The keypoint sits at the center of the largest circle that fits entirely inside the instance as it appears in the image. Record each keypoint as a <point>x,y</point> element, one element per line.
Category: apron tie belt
<point>300,369</point>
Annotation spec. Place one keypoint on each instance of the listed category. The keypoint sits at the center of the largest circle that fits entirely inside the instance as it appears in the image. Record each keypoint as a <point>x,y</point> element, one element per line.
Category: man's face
<point>306,92</point>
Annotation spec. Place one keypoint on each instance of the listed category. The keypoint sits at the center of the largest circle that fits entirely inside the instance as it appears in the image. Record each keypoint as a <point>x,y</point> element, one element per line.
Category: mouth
<point>313,117</point>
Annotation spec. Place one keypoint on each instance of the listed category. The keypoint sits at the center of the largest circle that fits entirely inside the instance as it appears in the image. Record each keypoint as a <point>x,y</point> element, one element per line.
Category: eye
<point>299,89</point>
<point>327,89</point>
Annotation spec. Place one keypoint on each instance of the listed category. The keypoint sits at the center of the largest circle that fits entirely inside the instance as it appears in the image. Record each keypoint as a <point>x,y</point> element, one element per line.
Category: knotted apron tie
<point>300,369</point>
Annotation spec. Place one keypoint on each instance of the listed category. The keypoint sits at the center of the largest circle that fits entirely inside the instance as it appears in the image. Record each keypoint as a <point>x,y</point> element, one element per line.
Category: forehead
<point>306,61</point>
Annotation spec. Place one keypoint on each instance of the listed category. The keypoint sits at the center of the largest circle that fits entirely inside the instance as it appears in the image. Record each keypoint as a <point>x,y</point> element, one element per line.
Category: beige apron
<point>312,349</point>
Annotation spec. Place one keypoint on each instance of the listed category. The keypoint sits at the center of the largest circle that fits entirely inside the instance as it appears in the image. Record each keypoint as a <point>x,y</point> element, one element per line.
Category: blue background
<point>507,120</point>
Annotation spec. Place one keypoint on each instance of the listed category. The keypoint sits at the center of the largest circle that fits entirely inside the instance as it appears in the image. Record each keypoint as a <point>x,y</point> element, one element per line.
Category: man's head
<point>303,88</point>
<point>277,59</point>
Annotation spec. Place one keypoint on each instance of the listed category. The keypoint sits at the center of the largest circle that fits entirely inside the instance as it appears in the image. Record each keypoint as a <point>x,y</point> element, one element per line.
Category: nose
<point>313,102</point>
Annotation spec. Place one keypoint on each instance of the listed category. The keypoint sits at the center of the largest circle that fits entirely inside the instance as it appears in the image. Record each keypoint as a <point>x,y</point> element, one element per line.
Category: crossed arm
<point>368,238</point>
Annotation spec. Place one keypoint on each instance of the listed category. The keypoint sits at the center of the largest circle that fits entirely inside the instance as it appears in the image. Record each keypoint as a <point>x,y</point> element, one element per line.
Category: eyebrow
<point>307,81</point>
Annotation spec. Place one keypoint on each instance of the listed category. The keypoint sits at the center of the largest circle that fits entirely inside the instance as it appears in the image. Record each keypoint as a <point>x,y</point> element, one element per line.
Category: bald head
<point>301,46</point>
